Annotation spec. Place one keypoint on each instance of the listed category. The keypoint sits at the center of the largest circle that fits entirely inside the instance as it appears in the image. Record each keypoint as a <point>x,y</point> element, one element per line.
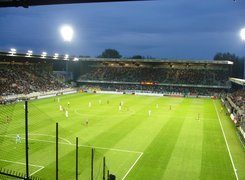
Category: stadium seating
<point>238,98</point>
<point>160,75</point>
<point>24,79</point>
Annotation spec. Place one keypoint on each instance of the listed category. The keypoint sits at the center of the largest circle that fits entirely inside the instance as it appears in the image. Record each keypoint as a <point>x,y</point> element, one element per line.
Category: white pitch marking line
<point>50,136</point>
<point>20,163</point>
<point>227,146</point>
<point>66,140</point>
<point>14,162</point>
<point>120,150</point>
<point>132,166</point>
<point>36,171</point>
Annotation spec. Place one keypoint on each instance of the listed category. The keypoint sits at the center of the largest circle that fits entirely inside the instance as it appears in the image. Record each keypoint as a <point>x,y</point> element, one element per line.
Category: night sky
<point>173,29</point>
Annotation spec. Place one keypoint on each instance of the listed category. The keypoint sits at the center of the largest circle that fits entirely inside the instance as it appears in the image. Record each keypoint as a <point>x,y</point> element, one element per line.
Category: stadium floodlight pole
<point>242,34</point>
<point>26,140</point>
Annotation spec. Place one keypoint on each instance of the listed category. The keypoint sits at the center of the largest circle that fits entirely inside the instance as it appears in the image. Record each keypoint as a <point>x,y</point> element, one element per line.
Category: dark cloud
<point>180,29</point>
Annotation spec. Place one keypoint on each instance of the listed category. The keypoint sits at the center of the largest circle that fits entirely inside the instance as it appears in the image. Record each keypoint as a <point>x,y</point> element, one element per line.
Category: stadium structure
<point>31,77</point>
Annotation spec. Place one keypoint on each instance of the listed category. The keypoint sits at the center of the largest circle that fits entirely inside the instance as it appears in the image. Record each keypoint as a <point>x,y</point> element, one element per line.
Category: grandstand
<point>189,134</point>
<point>196,78</point>
<point>210,78</point>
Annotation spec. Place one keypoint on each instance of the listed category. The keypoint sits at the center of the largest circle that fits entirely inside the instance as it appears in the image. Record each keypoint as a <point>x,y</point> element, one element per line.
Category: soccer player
<point>61,108</point>
<point>120,107</point>
<point>87,122</point>
<point>68,104</point>
<point>67,114</point>
<point>17,139</point>
<point>7,120</point>
<point>89,104</point>
<point>149,112</point>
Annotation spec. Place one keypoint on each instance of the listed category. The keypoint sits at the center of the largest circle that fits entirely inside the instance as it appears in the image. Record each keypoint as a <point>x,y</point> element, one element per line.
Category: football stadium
<point>164,110</point>
<point>96,118</point>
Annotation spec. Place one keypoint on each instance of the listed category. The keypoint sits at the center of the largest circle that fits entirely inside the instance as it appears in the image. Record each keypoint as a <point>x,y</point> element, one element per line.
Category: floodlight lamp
<point>29,53</point>
<point>12,51</point>
<point>66,57</point>
<point>75,59</point>
<point>56,55</point>
<point>242,34</point>
<point>44,54</point>
<point>66,33</point>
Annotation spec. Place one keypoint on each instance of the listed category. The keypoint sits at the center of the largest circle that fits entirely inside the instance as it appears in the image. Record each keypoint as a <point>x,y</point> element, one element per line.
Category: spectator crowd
<point>25,79</point>
<point>238,98</point>
<point>159,75</point>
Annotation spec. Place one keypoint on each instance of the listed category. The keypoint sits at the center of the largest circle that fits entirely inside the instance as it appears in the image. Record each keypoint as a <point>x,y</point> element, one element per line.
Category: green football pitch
<point>149,138</point>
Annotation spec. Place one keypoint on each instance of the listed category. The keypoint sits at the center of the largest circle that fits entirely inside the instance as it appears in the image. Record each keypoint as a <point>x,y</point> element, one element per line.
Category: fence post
<point>57,157</point>
<point>92,164</point>
<point>76,158</point>
<point>26,140</point>
<point>104,168</point>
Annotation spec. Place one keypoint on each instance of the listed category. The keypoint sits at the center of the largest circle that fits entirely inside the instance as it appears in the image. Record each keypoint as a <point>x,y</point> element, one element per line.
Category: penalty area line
<point>81,145</point>
<point>132,166</point>
<point>33,165</point>
<point>227,145</point>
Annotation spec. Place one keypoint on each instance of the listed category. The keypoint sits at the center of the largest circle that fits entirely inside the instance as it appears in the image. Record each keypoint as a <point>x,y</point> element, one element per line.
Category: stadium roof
<point>238,81</point>
<point>7,56</point>
<point>27,3</point>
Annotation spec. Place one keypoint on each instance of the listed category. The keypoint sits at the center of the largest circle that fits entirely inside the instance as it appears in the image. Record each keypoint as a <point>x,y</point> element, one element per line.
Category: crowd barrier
<point>35,95</point>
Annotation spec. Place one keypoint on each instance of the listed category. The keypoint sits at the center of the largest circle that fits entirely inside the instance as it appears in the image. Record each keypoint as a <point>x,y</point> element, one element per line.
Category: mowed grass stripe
<point>155,159</point>
<point>215,159</point>
<point>185,160</point>
<point>235,145</point>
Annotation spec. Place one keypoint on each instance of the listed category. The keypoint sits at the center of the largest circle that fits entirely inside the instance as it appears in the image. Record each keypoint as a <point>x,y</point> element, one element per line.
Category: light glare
<point>29,53</point>
<point>44,54</point>
<point>12,51</point>
<point>242,34</point>
<point>56,55</point>
<point>66,33</point>
<point>66,57</point>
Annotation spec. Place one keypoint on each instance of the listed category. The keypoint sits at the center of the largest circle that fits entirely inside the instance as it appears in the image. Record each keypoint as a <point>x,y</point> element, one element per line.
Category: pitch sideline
<point>227,145</point>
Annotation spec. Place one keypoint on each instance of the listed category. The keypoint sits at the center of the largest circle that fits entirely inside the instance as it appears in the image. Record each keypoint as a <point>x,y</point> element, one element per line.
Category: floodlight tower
<point>66,32</point>
<point>242,34</point>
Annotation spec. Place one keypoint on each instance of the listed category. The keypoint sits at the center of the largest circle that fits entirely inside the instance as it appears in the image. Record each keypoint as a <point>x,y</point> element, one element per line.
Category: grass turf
<point>168,144</point>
